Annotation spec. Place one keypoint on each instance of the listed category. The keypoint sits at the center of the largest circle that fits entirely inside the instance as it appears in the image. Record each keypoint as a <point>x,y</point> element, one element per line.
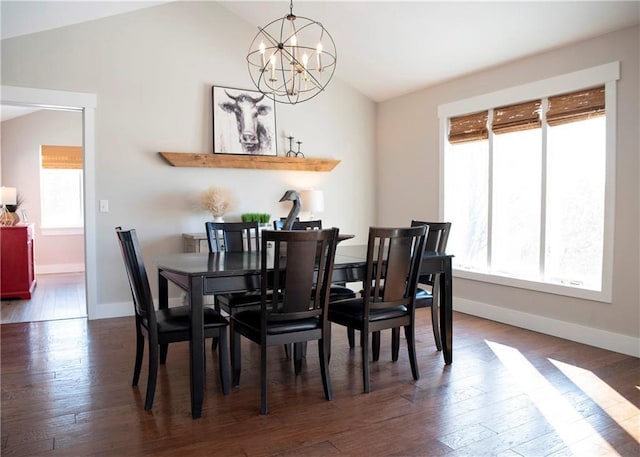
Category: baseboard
<point>586,335</point>
<point>59,268</point>
<point>122,309</point>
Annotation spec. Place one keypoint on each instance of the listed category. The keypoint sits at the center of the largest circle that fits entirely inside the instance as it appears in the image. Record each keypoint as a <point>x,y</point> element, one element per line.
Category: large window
<point>526,188</point>
<point>61,187</point>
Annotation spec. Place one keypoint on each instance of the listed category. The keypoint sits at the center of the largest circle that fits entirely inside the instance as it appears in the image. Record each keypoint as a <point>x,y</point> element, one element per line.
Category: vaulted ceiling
<point>389,48</point>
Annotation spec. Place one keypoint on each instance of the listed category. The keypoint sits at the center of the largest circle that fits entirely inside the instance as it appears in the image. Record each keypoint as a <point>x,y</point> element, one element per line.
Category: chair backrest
<point>394,256</point>
<point>436,241</point>
<point>438,235</point>
<point>137,275</point>
<point>232,236</point>
<point>299,225</point>
<point>302,263</point>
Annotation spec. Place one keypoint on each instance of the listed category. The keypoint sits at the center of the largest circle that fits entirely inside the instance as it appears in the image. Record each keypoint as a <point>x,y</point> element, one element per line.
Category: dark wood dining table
<point>200,274</point>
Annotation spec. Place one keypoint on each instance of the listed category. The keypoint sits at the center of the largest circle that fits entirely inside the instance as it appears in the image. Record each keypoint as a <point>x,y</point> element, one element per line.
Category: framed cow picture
<point>244,122</point>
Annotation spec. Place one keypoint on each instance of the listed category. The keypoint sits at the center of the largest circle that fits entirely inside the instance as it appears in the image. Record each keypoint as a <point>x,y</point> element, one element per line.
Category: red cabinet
<point>17,276</point>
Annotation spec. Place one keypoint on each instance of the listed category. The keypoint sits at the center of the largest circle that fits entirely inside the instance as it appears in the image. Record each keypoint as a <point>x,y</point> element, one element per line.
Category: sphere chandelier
<point>292,59</point>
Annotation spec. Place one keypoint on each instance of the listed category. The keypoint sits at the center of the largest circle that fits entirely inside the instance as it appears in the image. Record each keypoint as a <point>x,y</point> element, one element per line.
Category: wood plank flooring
<point>510,392</point>
<point>56,296</point>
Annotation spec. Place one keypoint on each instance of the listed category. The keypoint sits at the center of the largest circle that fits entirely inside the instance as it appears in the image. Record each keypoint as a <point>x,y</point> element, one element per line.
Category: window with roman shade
<point>61,188</point>
<point>526,182</point>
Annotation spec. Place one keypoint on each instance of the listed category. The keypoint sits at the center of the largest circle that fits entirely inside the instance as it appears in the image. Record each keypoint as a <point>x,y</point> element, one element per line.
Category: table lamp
<point>9,196</point>
<point>312,202</point>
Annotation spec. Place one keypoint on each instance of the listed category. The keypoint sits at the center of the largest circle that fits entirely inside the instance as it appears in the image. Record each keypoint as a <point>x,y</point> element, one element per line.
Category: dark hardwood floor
<point>510,392</point>
<point>56,296</point>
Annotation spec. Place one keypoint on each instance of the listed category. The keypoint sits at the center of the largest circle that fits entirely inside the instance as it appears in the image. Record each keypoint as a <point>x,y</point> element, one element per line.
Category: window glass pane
<point>575,208</point>
<point>466,202</point>
<point>61,198</point>
<point>516,203</point>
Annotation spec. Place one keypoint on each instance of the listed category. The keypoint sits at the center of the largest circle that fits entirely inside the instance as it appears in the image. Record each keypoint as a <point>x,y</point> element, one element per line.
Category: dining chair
<point>233,237</point>
<point>337,291</point>
<point>163,326</point>
<point>437,238</point>
<point>388,300</point>
<point>279,223</point>
<point>299,262</point>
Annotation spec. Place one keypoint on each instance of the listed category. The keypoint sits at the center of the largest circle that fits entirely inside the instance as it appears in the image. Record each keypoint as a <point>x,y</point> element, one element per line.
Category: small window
<point>61,185</point>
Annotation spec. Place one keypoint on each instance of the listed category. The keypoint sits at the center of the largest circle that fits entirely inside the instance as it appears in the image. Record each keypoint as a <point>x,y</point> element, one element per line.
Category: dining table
<point>202,274</point>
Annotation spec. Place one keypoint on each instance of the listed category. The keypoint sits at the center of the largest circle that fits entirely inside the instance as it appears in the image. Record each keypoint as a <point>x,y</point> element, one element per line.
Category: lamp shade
<point>312,201</point>
<point>9,195</point>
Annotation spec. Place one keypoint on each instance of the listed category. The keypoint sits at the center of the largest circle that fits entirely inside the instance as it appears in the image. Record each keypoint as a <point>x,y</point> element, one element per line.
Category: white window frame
<point>606,74</point>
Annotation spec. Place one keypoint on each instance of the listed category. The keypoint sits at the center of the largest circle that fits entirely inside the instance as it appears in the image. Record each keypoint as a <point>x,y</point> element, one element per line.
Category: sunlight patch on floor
<point>603,395</point>
<point>569,425</point>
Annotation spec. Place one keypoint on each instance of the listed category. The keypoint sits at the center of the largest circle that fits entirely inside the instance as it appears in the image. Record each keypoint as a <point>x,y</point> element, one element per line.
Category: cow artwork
<point>243,122</point>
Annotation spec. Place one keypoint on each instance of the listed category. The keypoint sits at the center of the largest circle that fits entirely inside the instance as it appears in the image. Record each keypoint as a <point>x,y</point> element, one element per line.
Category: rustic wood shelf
<point>184,159</point>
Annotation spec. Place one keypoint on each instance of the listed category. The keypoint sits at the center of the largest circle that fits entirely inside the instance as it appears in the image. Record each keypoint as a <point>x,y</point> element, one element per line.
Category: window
<point>527,185</point>
<point>61,187</point>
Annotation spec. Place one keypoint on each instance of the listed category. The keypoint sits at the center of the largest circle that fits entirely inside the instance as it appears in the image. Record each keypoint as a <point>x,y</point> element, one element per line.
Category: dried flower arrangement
<point>217,201</point>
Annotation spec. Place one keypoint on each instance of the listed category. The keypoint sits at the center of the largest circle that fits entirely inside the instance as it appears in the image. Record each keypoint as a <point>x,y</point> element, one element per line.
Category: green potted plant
<point>261,218</point>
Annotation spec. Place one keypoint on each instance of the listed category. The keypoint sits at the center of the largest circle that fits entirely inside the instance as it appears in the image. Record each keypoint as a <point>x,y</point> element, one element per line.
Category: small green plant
<point>262,218</point>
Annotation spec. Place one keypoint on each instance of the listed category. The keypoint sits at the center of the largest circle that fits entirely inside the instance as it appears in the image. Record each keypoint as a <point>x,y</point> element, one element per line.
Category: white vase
<point>218,219</point>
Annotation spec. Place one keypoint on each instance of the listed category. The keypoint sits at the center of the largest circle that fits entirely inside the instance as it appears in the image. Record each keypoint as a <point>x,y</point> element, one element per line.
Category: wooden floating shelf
<point>184,159</point>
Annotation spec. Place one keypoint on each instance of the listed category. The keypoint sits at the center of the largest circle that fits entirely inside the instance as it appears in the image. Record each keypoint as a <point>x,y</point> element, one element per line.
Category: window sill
<point>66,231</point>
<point>551,288</point>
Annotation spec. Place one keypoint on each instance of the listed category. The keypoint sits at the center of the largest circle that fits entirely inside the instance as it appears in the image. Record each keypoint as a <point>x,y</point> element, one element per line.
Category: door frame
<point>86,103</point>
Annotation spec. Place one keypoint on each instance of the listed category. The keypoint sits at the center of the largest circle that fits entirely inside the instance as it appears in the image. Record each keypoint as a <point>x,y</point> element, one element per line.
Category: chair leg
<point>409,333</point>
<point>236,356</point>
<point>164,349</point>
<point>375,345</point>
<point>263,379</point>
<point>287,351</point>
<point>139,356</point>
<point>324,349</point>
<point>152,376</point>
<point>223,361</point>
<point>298,354</point>
<point>395,343</point>
<point>351,336</point>
<point>435,318</point>
<point>364,341</point>
<point>214,340</point>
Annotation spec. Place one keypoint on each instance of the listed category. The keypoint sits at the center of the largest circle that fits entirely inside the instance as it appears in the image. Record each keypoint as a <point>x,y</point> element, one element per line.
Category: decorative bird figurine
<point>291,195</point>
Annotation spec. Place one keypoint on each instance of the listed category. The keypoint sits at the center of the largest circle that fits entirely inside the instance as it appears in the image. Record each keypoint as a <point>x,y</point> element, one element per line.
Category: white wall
<point>20,157</point>
<point>152,71</point>
<point>407,135</point>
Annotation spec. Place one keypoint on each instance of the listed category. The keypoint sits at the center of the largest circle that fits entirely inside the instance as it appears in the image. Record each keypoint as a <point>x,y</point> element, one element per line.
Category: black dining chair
<point>163,326</point>
<point>233,237</point>
<point>437,237</point>
<point>299,265</point>
<point>388,300</point>
<point>337,291</point>
<point>428,284</point>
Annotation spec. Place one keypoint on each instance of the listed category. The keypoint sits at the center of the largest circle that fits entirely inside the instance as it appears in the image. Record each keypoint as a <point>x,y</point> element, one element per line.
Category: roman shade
<point>576,106</point>
<point>470,127</point>
<point>62,157</point>
<point>513,118</point>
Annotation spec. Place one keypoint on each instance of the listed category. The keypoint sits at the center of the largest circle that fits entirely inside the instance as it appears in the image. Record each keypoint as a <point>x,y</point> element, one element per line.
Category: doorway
<point>85,103</point>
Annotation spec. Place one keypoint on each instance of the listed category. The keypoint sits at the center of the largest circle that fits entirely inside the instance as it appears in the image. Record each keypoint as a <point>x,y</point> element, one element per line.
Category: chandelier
<point>292,59</point>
